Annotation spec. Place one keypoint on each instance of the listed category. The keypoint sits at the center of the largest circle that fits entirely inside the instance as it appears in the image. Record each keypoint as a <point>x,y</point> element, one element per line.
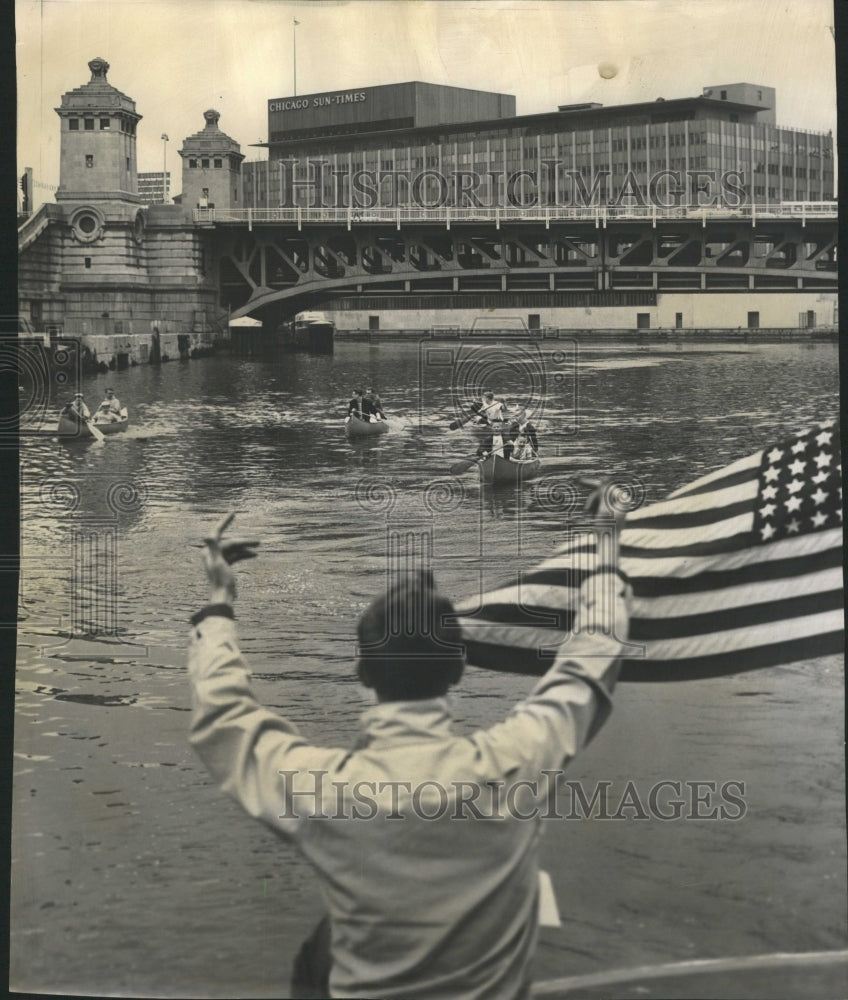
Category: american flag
<point>738,570</point>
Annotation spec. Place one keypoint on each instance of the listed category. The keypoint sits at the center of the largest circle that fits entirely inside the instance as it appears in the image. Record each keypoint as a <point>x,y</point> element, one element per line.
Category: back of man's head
<point>407,651</point>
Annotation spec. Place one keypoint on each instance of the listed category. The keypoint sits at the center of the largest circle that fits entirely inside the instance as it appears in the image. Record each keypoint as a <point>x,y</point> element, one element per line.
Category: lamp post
<point>294,55</point>
<point>164,168</point>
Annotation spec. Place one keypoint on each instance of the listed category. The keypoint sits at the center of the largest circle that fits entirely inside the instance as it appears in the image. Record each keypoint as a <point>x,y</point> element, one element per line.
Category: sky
<point>177,58</point>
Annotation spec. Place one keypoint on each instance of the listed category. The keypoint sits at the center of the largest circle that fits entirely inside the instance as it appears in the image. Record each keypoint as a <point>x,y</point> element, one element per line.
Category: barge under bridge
<point>277,261</point>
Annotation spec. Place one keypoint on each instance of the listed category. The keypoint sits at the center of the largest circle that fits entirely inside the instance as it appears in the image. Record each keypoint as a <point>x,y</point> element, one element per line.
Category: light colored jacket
<point>425,841</point>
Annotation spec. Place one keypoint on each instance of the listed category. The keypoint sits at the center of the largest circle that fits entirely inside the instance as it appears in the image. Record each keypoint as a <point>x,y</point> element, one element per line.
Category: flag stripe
<point>731,475</point>
<point>682,516</point>
<point>526,595</point>
<point>721,664</point>
<point>748,573</point>
<point>529,662</point>
<point>675,539</point>
<point>786,547</point>
<point>742,639</point>
<point>758,592</point>
<point>704,501</point>
<point>713,547</point>
<point>525,616</point>
<point>739,617</point>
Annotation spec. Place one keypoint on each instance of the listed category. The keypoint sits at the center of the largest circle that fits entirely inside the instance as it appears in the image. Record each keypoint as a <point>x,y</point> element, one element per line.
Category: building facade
<point>413,144</point>
<point>154,188</point>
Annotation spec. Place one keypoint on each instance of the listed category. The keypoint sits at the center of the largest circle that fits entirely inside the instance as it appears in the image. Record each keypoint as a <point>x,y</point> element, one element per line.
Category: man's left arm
<point>573,700</point>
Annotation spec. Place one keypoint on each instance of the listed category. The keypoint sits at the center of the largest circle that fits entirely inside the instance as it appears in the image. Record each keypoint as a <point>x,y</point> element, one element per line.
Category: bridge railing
<point>33,227</point>
<point>600,215</point>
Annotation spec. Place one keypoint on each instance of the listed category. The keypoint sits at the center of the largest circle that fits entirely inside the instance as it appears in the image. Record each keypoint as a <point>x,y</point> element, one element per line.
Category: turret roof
<point>98,94</point>
<point>210,139</point>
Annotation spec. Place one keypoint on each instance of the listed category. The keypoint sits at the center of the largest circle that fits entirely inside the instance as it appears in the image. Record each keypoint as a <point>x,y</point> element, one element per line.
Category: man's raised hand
<point>218,557</point>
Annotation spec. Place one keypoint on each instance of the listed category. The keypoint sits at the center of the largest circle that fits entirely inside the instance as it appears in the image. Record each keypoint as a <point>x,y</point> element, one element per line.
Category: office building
<point>414,143</point>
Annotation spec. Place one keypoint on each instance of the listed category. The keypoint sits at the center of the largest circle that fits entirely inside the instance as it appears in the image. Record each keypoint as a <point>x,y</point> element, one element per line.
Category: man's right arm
<point>257,756</point>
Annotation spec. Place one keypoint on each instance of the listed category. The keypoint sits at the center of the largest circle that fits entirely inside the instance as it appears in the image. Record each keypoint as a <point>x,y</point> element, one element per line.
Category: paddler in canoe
<point>365,417</point>
<point>109,410</point>
<point>354,407</point>
<point>76,410</point>
<point>372,405</point>
<point>521,442</point>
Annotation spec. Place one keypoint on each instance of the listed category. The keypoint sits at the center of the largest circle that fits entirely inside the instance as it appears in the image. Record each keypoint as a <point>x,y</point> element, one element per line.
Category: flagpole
<point>294,53</point>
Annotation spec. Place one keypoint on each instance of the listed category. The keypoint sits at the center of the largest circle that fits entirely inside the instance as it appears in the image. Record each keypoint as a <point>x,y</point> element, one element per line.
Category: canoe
<point>496,470</point>
<point>482,432</point>
<point>357,427</point>
<point>69,427</point>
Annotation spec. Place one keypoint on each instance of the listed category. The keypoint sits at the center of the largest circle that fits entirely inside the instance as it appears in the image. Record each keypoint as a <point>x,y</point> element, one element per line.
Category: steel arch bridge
<point>277,260</point>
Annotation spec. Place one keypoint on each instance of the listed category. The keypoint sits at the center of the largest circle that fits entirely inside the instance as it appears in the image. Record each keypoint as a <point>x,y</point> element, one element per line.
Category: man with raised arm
<point>424,840</point>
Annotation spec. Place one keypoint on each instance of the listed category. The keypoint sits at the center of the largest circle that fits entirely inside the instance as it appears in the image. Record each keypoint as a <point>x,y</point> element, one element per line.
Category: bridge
<point>293,255</point>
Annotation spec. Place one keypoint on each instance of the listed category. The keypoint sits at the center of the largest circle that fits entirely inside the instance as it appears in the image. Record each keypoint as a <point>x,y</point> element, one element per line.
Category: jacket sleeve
<point>257,757</point>
<point>572,700</point>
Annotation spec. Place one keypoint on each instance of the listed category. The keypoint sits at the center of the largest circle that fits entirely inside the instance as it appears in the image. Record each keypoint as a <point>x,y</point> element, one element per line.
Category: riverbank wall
<point>706,334</point>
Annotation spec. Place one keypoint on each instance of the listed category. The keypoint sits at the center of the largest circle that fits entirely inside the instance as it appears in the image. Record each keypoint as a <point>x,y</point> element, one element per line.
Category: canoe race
<point>424,550</point>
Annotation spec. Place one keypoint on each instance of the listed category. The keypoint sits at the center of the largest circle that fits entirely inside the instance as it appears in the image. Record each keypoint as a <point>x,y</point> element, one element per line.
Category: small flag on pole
<point>739,570</point>
<point>296,23</point>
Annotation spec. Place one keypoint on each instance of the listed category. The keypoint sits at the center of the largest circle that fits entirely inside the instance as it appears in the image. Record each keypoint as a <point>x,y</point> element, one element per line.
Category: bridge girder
<point>264,265</point>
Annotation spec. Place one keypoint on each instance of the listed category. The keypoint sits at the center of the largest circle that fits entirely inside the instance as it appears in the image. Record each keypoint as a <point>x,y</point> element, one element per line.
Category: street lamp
<point>165,141</point>
<point>294,54</point>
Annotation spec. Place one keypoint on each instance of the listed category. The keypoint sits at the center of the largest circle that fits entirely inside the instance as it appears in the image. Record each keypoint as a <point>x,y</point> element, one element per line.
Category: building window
<point>373,322</point>
<point>89,160</point>
<point>219,164</point>
<point>759,95</point>
<point>128,163</point>
<point>104,124</point>
<point>643,321</point>
<point>753,320</point>
<point>204,162</point>
<point>724,95</point>
<point>192,163</point>
<point>73,124</point>
<point>88,261</point>
<point>89,124</point>
<point>678,321</point>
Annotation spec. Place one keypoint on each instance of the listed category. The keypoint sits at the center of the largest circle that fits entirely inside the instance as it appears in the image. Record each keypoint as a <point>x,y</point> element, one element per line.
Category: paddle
<point>462,421</point>
<point>458,468</point>
<point>456,424</point>
<point>96,433</point>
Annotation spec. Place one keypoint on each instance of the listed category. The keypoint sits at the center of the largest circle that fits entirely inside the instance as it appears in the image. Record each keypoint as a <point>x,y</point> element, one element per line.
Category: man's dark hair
<point>407,650</point>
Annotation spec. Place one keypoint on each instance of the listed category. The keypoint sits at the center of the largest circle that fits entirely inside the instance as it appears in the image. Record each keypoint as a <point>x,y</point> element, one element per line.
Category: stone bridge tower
<point>98,142</point>
<point>130,281</point>
<point>211,167</point>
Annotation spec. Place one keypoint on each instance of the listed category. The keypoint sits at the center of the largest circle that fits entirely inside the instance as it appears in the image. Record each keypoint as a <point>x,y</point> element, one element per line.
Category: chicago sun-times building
<point>438,147</point>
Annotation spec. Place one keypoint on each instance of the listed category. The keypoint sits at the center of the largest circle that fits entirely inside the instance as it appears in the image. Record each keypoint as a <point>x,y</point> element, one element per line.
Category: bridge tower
<point>98,142</point>
<point>211,167</point>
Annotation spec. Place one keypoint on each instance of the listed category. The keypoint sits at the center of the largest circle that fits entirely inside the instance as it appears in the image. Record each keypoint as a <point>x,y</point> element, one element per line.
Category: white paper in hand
<point>548,912</point>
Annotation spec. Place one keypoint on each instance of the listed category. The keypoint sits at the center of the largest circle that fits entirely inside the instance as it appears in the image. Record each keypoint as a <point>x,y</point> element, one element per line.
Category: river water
<point>106,719</point>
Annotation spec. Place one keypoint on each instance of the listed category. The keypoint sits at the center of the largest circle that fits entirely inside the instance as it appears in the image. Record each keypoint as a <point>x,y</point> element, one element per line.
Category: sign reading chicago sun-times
<point>317,101</point>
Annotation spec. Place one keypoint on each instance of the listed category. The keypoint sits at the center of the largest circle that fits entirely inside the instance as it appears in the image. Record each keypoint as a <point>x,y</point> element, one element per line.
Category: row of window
<point>127,125</point>
<point>205,162</point>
